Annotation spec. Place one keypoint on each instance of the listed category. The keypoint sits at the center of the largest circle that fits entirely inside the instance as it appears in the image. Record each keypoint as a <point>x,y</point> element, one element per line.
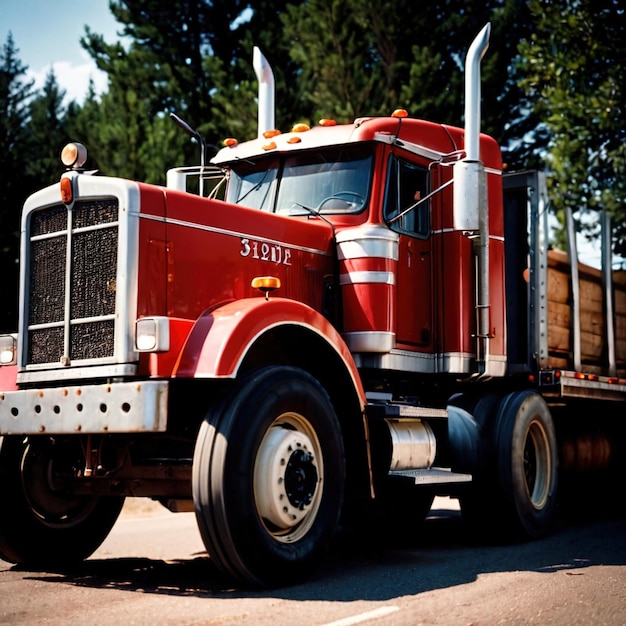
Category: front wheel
<point>268,477</point>
<point>41,523</point>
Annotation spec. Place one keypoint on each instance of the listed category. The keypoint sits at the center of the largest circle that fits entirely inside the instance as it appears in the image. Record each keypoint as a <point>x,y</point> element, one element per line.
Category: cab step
<point>433,476</point>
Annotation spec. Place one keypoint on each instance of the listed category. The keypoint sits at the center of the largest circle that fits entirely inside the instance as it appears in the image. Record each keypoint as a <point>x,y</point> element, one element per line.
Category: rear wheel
<point>515,494</point>
<point>41,523</point>
<point>268,477</point>
<point>527,462</point>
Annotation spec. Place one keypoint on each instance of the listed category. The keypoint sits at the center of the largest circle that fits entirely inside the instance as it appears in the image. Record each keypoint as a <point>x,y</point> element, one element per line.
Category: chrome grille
<point>71,309</point>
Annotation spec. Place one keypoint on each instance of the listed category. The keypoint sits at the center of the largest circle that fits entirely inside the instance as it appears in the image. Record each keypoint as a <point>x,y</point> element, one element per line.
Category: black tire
<point>514,491</point>
<point>40,524</point>
<point>268,477</point>
<point>527,462</point>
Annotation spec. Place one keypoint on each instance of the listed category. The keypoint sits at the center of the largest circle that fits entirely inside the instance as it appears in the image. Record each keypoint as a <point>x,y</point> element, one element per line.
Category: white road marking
<point>363,617</point>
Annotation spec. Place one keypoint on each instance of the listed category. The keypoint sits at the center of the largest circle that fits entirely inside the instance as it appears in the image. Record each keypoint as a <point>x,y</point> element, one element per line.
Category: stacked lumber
<point>592,317</point>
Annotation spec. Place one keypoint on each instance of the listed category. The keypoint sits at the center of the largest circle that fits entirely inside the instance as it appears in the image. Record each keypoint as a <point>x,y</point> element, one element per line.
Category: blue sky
<point>47,34</point>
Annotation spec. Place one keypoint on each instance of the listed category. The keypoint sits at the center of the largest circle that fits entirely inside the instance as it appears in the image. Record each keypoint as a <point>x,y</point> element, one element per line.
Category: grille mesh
<point>47,280</point>
<point>91,281</point>
<point>93,286</point>
<point>92,340</point>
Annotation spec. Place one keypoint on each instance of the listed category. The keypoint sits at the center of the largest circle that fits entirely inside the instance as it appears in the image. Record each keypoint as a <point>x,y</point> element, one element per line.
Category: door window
<point>407,184</point>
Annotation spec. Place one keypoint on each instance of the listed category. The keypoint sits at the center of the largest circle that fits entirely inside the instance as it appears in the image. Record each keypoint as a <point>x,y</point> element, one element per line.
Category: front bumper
<point>127,407</point>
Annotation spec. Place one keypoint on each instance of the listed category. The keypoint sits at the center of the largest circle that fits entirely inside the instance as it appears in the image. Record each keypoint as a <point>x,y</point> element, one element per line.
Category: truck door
<point>407,184</point>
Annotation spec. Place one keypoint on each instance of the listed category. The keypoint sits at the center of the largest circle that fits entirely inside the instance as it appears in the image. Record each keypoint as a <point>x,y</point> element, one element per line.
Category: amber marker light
<point>230,142</point>
<point>270,144</point>
<point>400,113</point>
<point>274,132</point>
<point>300,128</point>
<point>265,284</point>
<point>294,139</point>
<point>67,193</point>
<point>327,122</point>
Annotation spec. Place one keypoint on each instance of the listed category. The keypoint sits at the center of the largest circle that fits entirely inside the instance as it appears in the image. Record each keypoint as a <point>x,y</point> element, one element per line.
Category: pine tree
<point>46,134</point>
<point>368,57</point>
<point>193,58</point>
<point>15,92</point>
<point>169,65</point>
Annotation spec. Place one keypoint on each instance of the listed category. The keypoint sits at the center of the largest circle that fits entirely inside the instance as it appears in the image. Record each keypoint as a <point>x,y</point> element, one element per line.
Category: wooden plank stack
<point>592,317</point>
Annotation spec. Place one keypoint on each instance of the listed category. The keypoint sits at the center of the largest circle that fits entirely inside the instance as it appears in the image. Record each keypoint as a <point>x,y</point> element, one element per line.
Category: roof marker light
<point>294,139</point>
<point>400,113</point>
<point>274,132</point>
<point>269,145</point>
<point>230,142</point>
<point>300,128</point>
<point>327,122</point>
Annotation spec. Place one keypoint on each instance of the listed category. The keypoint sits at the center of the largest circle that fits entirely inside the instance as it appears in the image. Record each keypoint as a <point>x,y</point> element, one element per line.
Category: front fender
<point>221,337</point>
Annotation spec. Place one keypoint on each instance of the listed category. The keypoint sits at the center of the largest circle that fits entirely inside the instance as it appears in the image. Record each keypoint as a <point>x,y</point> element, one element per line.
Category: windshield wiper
<point>254,188</point>
<point>315,213</point>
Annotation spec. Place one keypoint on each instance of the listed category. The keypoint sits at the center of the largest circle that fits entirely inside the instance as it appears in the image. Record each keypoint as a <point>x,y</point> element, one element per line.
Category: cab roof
<point>428,139</point>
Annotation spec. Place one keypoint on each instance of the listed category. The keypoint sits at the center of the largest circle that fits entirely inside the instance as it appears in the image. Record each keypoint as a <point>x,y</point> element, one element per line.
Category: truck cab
<point>384,184</point>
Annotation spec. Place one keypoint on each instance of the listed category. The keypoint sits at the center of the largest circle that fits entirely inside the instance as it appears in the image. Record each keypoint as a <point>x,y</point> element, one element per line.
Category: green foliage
<point>122,127</point>
<point>369,57</point>
<point>574,68</point>
<point>47,134</point>
<point>14,94</point>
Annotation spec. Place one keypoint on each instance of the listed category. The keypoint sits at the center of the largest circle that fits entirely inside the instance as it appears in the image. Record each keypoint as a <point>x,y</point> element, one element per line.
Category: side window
<point>406,185</point>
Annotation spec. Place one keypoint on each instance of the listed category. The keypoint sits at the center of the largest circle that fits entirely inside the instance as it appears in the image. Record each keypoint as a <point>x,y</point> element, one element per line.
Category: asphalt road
<point>153,570</point>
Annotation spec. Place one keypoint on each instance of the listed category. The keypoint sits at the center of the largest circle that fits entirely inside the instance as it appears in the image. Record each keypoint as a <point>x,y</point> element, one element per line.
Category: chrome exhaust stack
<point>471,211</point>
<point>266,104</point>
<point>472,93</point>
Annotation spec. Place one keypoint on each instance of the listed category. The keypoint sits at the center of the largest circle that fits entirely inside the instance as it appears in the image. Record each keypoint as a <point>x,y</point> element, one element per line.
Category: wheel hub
<point>43,469</point>
<point>300,478</point>
<point>286,477</point>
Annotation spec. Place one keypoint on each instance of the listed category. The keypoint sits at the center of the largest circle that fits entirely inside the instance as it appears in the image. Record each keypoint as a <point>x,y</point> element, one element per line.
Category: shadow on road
<point>361,567</point>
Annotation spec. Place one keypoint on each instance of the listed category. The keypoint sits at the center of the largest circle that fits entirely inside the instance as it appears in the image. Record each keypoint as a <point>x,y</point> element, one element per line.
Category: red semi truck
<point>346,319</point>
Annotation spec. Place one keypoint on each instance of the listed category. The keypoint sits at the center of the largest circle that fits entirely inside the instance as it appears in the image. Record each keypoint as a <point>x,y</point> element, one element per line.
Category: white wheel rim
<point>288,472</point>
<point>537,465</point>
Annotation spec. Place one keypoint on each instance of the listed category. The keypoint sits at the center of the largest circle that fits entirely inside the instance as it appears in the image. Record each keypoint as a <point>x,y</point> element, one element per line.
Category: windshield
<point>333,180</point>
<point>254,184</point>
